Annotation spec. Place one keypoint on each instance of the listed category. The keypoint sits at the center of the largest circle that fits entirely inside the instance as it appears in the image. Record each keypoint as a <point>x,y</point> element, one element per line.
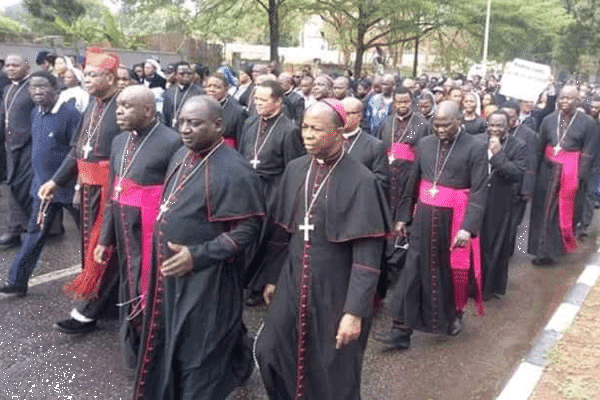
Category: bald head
<point>135,108</point>
<point>200,123</point>
<point>568,99</point>
<point>286,80</point>
<point>446,120</point>
<point>354,111</point>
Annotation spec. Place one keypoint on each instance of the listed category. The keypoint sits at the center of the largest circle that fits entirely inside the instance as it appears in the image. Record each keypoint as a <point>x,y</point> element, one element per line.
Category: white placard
<point>524,80</point>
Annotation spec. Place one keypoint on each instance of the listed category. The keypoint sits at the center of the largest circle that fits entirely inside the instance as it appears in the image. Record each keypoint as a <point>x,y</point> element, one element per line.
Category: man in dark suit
<point>294,100</point>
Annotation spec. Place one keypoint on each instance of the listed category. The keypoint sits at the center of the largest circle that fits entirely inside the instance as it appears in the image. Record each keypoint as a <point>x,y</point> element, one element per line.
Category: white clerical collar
<point>402,118</point>
<point>289,91</point>
<point>351,134</point>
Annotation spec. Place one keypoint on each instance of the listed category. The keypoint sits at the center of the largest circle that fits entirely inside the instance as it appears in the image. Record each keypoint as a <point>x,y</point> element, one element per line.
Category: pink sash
<point>230,141</point>
<point>460,257</point>
<point>147,198</point>
<point>402,151</point>
<point>569,183</point>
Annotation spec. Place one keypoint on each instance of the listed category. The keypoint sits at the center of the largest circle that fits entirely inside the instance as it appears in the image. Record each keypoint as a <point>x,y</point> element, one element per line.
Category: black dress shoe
<point>19,291</point>
<point>540,261</point>
<point>455,326</point>
<point>9,240</point>
<point>71,326</point>
<point>394,339</point>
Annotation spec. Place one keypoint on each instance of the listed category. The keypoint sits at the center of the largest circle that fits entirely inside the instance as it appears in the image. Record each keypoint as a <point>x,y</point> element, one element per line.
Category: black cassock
<point>371,152</point>
<point>408,131</point>
<point>123,223</point>
<point>474,126</point>
<point>273,143</point>
<point>423,298</point>
<point>506,173</point>
<point>234,116</point>
<point>194,343</point>
<point>333,273</point>
<point>175,96</point>
<point>15,122</point>
<point>544,232</point>
<point>92,144</point>
<point>531,140</point>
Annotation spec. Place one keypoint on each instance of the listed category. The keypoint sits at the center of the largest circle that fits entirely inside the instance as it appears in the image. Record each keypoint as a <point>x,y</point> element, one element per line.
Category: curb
<point>524,380</point>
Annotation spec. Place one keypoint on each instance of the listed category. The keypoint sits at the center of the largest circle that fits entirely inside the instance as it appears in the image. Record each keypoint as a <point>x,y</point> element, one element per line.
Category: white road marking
<point>54,275</point>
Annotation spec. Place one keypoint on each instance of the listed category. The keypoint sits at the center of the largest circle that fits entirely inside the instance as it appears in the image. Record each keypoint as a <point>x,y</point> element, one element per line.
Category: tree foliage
<point>49,10</point>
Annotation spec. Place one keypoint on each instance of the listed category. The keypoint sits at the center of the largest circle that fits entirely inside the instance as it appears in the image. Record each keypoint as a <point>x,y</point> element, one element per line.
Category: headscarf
<point>157,70</point>
<point>228,74</point>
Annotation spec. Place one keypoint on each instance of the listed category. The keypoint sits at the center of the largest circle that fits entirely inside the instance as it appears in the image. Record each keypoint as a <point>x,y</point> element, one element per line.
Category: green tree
<point>49,10</point>
<point>367,24</point>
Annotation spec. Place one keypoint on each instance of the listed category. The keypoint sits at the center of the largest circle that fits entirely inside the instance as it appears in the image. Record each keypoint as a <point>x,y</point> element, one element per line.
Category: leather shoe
<point>9,240</point>
<point>19,291</point>
<point>71,326</point>
<point>455,326</point>
<point>394,339</point>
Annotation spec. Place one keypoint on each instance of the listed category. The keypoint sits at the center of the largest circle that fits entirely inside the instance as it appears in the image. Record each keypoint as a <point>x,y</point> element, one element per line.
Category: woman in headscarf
<point>426,104</point>
<point>153,75</point>
<point>73,92</point>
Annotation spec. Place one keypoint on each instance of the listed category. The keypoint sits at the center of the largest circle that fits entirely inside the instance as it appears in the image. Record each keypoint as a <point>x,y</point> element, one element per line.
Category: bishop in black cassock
<point>333,218</point>
<point>177,94</point>
<point>367,149</point>
<point>507,160</point>
<point>530,137</point>
<point>450,182</point>
<point>88,160</point>
<point>233,113</point>
<point>138,162</point>
<point>567,149</point>
<point>194,343</point>
<point>269,141</point>
<point>400,132</point>
<point>15,123</point>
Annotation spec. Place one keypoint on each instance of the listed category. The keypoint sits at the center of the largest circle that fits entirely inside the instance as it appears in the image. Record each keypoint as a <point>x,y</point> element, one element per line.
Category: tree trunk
<point>360,45</point>
<point>274,30</point>
<point>416,60</point>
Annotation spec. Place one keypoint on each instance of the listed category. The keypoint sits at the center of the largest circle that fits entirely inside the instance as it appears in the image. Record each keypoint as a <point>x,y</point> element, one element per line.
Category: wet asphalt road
<point>39,363</point>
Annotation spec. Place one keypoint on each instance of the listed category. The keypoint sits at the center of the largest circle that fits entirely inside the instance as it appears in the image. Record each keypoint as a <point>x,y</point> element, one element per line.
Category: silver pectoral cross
<point>433,191</point>
<point>117,190</point>
<point>255,161</point>
<point>163,209</point>
<point>87,149</point>
<point>557,149</point>
<point>391,157</point>
<point>306,227</point>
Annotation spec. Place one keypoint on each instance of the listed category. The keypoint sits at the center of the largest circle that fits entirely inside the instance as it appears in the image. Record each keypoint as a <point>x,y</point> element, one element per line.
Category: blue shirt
<point>51,134</point>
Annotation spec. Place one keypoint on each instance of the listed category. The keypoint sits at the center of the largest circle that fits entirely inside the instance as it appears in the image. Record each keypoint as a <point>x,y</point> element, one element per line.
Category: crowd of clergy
<point>198,194</point>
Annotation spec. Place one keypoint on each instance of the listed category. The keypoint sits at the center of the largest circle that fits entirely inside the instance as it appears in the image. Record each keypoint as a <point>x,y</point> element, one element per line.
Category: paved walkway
<point>564,362</point>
